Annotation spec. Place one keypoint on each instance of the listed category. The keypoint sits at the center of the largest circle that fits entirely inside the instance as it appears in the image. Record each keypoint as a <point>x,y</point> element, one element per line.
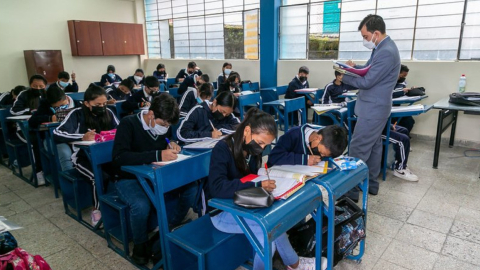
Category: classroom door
<point>112,38</point>
<point>46,62</point>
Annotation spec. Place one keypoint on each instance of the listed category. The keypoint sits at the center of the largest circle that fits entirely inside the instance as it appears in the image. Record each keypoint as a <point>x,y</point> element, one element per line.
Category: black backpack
<point>467,98</point>
<point>417,91</point>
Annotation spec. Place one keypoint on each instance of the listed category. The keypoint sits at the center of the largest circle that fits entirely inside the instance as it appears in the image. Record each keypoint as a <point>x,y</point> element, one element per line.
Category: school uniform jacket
<point>73,128</point>
<point>291,148</point>
<point>221,79</point>
<point>332,91</point>
<point>6,99</point>
<point>71,88</point>
<point>117,94</point>
<point>188,101</point>
<point>44,113</point>
<point>225,87</point>
<point>134,101</point>
<point>196,126</point>
<point>182,74</point>
<point>187,83</point>
<point>398,90</point>
<point>224,177</point>
<point>131,78</point>
<point>159,75</point>
<point>20,106</point>
<point>136,146</point>
<point>106,78</point>
<point>295,84</point>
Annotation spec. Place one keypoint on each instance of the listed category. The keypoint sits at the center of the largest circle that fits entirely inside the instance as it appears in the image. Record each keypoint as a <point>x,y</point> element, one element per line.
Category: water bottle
<point>462,83</point>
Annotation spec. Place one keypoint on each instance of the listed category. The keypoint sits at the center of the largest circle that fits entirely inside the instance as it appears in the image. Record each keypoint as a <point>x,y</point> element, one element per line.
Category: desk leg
<point>438,139</point>
<point>330,231</point>
<point>454,127</point>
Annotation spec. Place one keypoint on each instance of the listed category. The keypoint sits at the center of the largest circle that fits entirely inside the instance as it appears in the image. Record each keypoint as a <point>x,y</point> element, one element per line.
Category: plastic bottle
<point>462,84</point>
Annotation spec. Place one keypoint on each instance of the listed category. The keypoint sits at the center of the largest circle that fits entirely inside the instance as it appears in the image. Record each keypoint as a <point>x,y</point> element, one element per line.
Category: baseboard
<point>446,140</point>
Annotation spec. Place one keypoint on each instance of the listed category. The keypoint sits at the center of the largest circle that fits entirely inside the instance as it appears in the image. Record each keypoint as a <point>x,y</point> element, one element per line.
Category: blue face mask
<point>111,75</point>
<point>55,109</point>
<point>63,84</point>
<point>199,100</point>
<point>227,71</point>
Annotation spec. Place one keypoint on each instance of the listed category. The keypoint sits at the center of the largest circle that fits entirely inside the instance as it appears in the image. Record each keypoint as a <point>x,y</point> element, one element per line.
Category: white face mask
<point>157,129</point>
<point>137,78</point>
<point>369,44</point>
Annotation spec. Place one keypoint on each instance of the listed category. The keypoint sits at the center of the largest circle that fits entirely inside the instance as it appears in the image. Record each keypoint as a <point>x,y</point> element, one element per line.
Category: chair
<point>77,96</point>
<point>269,94</point>
<point>162,87</point>
<point>250,99</point>
<point>170,82</point>
<point>173,92</point>
<point>282,90</point>
<point>215,85</point>
<point>294,105</point>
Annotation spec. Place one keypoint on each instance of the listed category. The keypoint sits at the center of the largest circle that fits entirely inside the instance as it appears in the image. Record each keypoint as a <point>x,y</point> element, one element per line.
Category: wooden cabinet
<point>45,62</point>
<point>105,38</point>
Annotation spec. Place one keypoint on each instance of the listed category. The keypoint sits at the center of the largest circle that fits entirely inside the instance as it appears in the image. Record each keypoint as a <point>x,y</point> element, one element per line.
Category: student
<point>27,101</point>
<point>209,119</point>
<point>142,139</point>
<point>192,81</point>
<point>335,89</point>
<point>137,78</point>
<point>122,92</point>
<point>55,108</point>
<point>299,82</point>
<point>191,69</point>
<point>231,84</point>
<point>307,145</point>
<point>81,124</point>
<point>62,82</point>
<point>233,158</point>
<point>195,96</point>
<point>400,90</point>
<point>226,69</point>
<point>7,98</point>
<point>400,138</point>
<point>110,77</point>
<point>161,74</point>
<point>142,98</point>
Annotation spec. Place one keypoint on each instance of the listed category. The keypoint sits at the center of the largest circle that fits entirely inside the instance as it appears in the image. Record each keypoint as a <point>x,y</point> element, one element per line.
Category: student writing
<point>144,97</point>
<point>195,96</point>
<point>110,77</point>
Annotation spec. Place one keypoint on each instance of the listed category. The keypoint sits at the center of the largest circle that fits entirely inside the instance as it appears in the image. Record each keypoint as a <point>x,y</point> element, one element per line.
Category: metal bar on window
<point>461,29</point>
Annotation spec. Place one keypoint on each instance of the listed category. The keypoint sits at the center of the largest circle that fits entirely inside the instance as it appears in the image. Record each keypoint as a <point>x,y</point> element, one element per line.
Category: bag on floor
<point>19,259</point>
<point>7,242</point>
<point>349,231</point>
<point>467,98</point>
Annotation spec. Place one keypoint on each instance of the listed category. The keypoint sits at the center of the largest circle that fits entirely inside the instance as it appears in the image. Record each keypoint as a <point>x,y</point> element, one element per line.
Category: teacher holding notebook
<point>374,96</point>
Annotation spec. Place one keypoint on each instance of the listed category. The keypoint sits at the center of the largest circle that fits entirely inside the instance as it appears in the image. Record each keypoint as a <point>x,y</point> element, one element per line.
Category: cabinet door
<point>88,38</point>
<point>112,38</point>
<point>48,63</point>
<point>133,35</point>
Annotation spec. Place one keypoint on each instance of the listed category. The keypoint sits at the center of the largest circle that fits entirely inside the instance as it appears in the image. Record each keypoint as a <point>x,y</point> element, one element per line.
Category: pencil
<point>310,151</point>
<point>211,124</point>
<point>266,169</point>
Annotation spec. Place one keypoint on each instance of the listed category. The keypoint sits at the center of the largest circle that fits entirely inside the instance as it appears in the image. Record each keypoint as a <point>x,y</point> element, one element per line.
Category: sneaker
<point>96,215</point>
<point>411,149</point>
<point>309,264</point>
<point>40,179</point>
<point>405,174</point>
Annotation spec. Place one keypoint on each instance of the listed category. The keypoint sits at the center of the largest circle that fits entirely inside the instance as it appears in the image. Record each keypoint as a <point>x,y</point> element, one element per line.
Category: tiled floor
<point>432,224</point>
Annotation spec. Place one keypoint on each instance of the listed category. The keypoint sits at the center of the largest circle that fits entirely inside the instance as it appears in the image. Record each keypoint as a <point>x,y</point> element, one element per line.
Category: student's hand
<point>169,154</point>
<point>73,76</point>
<point>269,185</point>
<point>107,83</point>
<point>216,134</point>
<point>89,136</point>
<point>54,118</point>
<point>111,101</point>
<point>406,89</point>
<point>350,63</point>
<point>237,94</point>
<point>180,80</point>
<point>136,86</point>
<point>197,68</point>
<point>313,160</point>
<point>175,146</point>
<point>309,102</point>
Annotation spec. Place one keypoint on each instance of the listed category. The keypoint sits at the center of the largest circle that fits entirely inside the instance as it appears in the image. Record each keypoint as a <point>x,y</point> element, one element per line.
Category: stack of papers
<point>180,157</point>
<point>323,108</point>
<point>412,108</point>
<point>205,144</point>
<point>307,90</point>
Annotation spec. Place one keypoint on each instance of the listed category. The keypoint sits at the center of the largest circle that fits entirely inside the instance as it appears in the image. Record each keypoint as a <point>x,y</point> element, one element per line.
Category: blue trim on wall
<point>269,25</point>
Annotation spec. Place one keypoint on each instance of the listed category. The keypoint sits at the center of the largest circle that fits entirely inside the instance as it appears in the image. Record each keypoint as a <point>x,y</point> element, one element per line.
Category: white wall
<point>42,25</point>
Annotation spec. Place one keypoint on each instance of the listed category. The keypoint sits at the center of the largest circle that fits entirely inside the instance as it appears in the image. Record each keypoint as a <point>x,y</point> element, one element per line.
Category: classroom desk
<point>277,219</point>
<point>315,96</point>
<point>22,122</point>
<point>447,115</point>
<point>283,111</point>
<point>395,101</point>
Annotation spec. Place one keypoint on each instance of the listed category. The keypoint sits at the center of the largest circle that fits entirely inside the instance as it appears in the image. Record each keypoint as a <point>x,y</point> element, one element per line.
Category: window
<point>422,29</point>
<point>202,29</point>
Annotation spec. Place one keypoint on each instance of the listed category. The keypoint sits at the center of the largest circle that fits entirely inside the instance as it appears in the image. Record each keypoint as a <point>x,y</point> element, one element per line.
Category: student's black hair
<point>139,70</point>
<point>159,66</point>
<point>54,95</point>
<point>334,138</point>
<point>304,69</point>
<point>101,123</point>
<point>63,75</point>
<point>205,78</point>
<point>111,67</point>
<point>37,77</point>
<point>165,107</point>
<point>373,23</point>
<point>259,122</point>
<point>206,90</point>
<point>151,81</point>
<point>226,99</point>
<point>128,83</point>
<point>17,90</point>
<point>231,78</point>
<point>404,68</point>
<point>191,64</point>
<point>337,74</point>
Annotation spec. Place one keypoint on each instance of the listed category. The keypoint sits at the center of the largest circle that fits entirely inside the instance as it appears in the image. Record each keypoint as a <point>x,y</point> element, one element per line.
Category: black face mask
<point>37,92</point>
<point>99,110</point>
<point>302,78</point>
<point>315,151</point>
<point>253,148</point>
<point>218,115</point>
<point>401,80</point>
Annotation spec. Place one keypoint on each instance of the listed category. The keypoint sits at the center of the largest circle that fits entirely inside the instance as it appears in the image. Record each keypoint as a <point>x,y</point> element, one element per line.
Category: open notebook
<point>180,157</point>
<point>288,178</point>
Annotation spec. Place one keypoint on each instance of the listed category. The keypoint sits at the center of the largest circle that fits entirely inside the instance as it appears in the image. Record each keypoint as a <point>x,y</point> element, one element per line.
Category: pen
<point>266,169</point>
<point>310,151</point>
<point>394,125</point>
<point>211,124</point>
<point>168,142</point>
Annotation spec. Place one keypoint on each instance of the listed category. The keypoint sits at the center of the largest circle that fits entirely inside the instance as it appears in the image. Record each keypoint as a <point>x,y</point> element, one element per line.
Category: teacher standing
<point>374,101</point>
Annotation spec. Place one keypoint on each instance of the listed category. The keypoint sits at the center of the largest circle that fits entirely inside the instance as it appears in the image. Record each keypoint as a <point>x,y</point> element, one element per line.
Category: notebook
<point>351,71</point>
<point>180,157</point>
<point>311,90</point>
<point>204,144</point>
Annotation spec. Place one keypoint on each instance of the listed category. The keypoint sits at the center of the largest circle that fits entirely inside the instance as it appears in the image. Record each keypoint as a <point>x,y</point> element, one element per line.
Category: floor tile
<point>376,244</point>
<point>391,210</point>
<point>384,265</point>
<point>430,221</point>
<point>438,207</point>
<point>468,215</point>
<point>462,250</point>
<point>383,225</point>
<point>421,237</point>
<point>409,256</point>
<point>466,231</point>
<point>445,262</point>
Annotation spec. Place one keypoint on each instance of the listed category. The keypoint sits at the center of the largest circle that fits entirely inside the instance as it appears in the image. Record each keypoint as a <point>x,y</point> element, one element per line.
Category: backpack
<point>417,91</point>
<point>467,98</point>
<point>7,242</point>
<point>19,259</point>
<point>349,231</point>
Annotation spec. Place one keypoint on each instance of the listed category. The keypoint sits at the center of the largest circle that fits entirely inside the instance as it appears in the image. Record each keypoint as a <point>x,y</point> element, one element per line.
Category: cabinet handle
<point>125,41</point>
<point>78,41</point>
<point>103,41</point>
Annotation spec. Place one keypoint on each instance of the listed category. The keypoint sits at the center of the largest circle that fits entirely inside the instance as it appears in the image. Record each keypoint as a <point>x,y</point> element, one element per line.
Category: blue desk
<point>277,219</point>
<point>315,97</point>
<point>407,100</point>
<point>288,105</point>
